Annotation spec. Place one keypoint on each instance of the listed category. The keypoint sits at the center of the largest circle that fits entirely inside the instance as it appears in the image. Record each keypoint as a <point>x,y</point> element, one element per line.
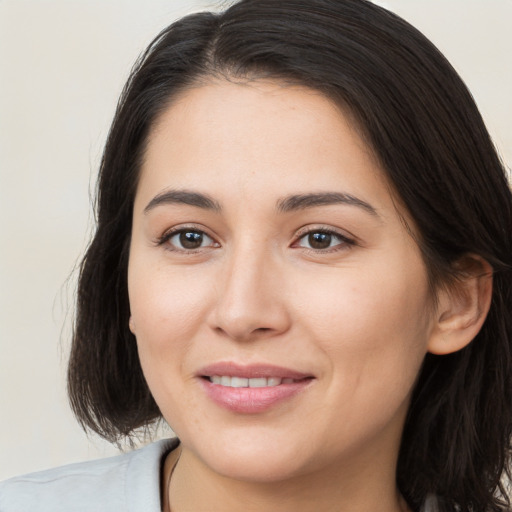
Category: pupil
<point>319,240</point>
<point>191,239</point>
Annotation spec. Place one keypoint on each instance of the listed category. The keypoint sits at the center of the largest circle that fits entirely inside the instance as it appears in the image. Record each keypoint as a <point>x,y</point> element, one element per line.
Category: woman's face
<point>280,306</point>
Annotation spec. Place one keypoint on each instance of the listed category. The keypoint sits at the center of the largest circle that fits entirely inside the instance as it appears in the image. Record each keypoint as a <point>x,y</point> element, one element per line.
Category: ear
<point>462,306</point>
<point>131,325</point>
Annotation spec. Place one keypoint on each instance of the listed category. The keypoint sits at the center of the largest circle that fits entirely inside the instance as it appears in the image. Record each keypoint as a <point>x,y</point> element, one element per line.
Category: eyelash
<point>167,236</point>
<point>344,241</point>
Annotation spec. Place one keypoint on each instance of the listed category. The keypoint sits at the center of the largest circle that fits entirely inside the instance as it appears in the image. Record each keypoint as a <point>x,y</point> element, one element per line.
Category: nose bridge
<point>250,302</point>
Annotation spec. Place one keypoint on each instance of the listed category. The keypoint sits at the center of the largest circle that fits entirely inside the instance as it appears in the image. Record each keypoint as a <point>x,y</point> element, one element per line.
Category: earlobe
<point>131,325</point>
<point>462,306</point>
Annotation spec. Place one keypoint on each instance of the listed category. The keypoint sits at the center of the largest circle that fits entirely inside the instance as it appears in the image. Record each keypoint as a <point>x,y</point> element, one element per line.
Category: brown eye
<point>319,240</point>
<point>323,240</point>
<point>190,240</point>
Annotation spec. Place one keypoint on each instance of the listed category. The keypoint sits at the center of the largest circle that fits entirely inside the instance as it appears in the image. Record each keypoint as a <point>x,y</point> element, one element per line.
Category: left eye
<point>189,239</point>
<point>319,240</point>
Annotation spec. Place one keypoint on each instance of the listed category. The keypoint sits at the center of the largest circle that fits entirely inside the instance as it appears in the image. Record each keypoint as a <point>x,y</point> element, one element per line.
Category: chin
<point>256,469</point>
<point>253,459</point>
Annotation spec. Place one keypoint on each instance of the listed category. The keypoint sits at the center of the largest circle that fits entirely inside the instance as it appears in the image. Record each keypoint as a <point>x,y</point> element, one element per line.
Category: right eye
<point>188,240</point>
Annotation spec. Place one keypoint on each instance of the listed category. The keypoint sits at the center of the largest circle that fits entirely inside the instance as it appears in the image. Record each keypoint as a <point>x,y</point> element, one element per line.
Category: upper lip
<point>251,371</point>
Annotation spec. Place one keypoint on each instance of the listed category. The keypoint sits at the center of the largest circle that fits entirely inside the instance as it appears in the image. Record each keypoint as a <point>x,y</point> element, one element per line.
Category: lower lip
<point>252,400</point>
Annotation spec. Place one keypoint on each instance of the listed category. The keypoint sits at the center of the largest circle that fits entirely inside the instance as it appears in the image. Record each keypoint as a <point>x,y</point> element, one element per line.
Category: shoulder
<point>128,482</point>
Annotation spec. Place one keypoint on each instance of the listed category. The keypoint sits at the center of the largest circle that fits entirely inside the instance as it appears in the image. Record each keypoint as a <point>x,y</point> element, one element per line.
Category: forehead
<point>259,136</point>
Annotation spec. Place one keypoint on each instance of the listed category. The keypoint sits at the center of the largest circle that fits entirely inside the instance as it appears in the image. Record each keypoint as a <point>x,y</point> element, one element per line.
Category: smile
<point>251,389</point>
<point>242,382</point>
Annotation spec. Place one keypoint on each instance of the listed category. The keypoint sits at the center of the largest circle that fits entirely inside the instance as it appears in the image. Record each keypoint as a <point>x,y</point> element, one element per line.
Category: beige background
<point>62,66</point>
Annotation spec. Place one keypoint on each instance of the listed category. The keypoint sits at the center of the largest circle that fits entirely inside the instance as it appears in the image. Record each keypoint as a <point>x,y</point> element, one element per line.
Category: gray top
<point>125,483</point>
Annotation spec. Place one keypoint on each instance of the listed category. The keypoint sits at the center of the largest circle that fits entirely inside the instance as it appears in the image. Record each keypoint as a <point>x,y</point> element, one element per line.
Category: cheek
<point>362,302</point>
<point>166,309</point>
<point>165,302</point>
<point>373,325</point>
<point>373,333</point>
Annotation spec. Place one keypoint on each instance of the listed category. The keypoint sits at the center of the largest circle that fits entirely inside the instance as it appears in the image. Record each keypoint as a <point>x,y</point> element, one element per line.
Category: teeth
<point>258,383</point>
<point>241,382</point>
<point>237,382</point>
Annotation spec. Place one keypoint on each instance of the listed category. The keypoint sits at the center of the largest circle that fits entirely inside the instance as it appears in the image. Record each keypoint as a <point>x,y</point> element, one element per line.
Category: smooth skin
<point>332,287</point>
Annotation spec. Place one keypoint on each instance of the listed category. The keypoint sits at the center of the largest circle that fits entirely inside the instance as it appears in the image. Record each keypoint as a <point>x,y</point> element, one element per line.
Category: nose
<point>251,298</point>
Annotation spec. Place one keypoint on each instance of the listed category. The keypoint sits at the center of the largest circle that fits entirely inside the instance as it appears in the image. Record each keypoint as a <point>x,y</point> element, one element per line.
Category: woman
<point>303,264</point>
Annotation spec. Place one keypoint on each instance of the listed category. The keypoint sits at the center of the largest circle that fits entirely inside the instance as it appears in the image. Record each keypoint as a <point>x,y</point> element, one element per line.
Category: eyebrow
<point>183,197</point>
<point>304,201</point>
<point>286,204</point>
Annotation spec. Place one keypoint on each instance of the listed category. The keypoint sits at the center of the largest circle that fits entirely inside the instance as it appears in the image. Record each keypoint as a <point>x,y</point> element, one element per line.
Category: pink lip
<point>252,400</point>
<point>251,371</point>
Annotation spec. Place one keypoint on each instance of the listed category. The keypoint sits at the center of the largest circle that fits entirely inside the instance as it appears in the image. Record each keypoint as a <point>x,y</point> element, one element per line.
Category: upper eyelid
<point>342,239</point>
<point>305,230</point>
<point>184,227</point>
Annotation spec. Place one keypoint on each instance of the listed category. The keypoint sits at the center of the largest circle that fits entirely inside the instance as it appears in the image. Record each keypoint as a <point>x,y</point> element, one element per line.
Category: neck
<point>357,488</point>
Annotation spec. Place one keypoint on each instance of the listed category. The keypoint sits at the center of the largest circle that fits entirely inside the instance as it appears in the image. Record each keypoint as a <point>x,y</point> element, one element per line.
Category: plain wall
<point>62,66</point>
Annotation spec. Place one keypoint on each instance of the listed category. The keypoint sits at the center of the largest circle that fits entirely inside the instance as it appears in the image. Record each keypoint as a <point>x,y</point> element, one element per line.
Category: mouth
<point>245,382</point>
<point>254,388</point>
